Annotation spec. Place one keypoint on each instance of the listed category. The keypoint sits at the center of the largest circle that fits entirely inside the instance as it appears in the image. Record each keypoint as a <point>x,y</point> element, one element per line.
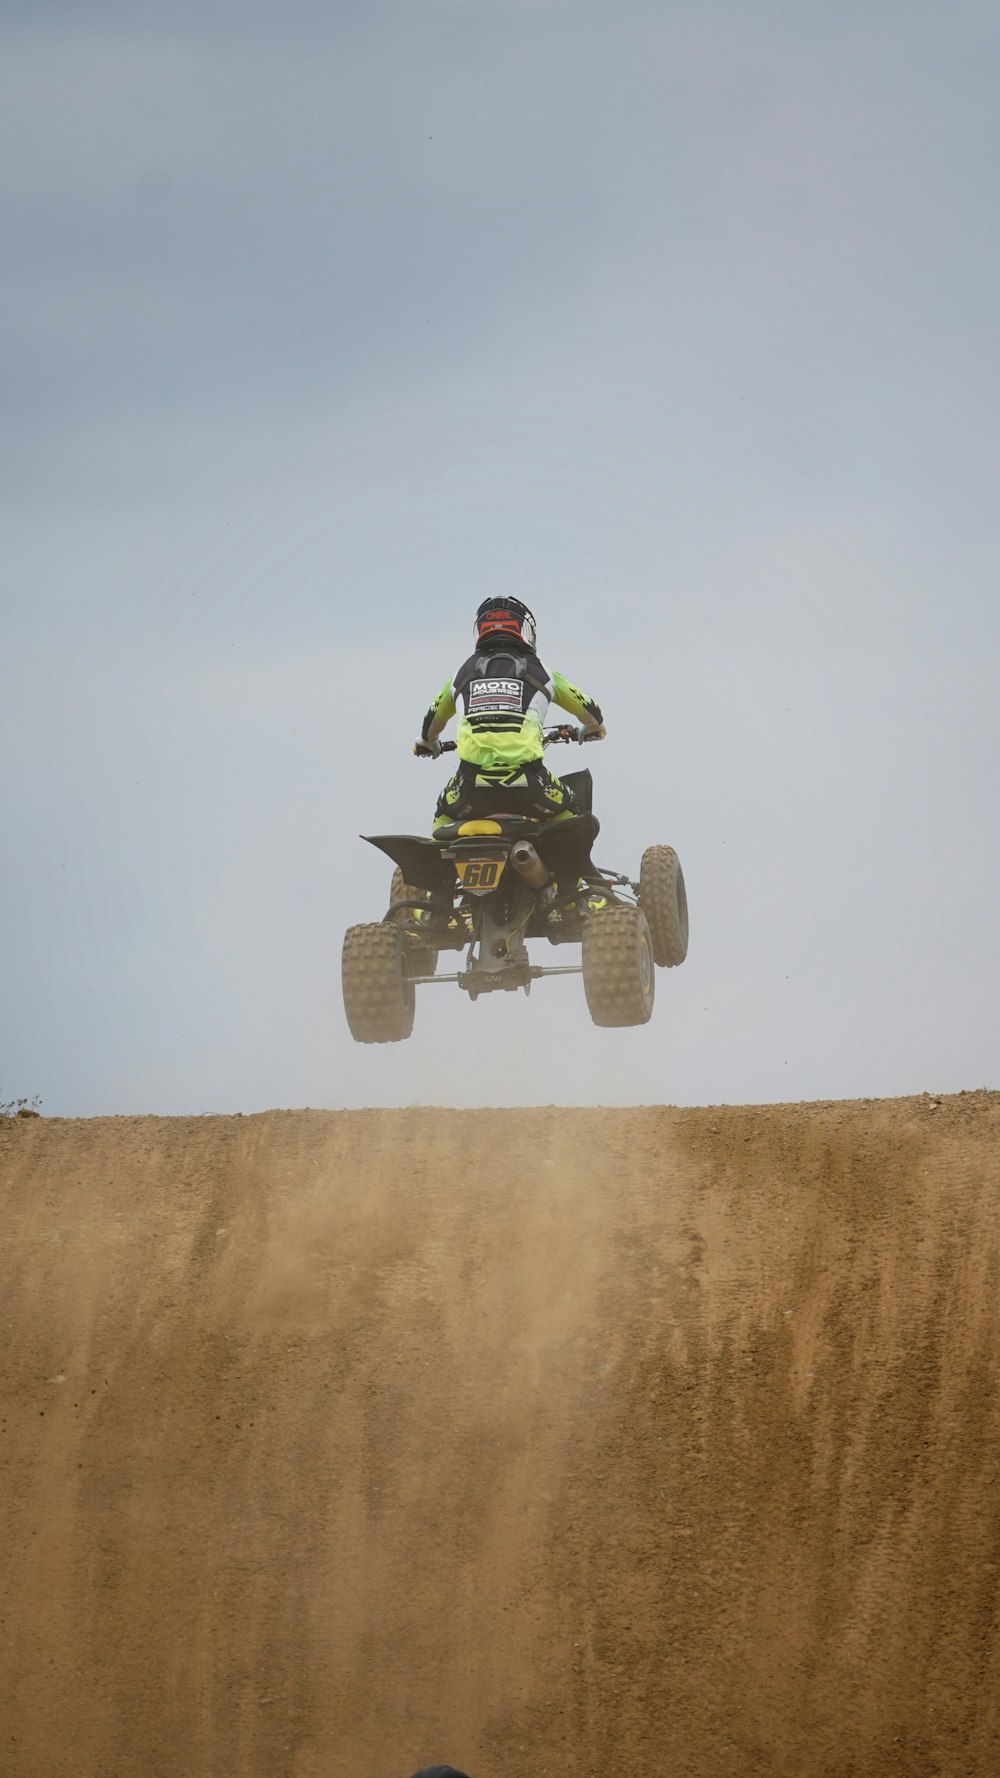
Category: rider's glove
<point>594,734</point>
<point>427,749</point>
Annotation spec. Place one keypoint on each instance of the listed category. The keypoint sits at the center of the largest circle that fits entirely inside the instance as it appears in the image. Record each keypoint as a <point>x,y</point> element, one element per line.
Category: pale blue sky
<point>319,324</point>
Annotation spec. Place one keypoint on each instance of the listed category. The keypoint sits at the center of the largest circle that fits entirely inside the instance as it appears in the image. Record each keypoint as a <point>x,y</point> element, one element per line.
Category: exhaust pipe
<point>527,863</point>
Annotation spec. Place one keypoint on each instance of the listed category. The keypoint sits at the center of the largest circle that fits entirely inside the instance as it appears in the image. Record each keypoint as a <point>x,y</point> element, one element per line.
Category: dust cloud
<point>666,1441</point>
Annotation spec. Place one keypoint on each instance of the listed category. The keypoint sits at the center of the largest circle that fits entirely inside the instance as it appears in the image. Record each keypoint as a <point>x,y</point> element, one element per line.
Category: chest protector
<point>497,690</point>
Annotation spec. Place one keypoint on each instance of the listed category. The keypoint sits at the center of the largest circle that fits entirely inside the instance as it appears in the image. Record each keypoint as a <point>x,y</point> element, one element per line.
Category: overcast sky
<point>678,319</point>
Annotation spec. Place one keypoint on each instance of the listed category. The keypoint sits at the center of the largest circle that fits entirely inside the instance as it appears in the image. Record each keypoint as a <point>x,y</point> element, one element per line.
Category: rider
<point>504,692</point>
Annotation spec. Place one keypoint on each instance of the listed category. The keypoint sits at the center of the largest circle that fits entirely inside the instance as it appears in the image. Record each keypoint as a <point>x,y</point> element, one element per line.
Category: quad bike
<point>486,887</point>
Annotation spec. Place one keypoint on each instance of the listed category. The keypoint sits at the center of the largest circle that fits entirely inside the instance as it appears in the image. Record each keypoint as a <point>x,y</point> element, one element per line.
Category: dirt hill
<point>550,1442</point>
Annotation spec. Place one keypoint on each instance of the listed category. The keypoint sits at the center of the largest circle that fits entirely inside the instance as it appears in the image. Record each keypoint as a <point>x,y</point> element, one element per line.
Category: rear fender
<point>582,786</point>
<point>565,846</point>
<point>418,858</point>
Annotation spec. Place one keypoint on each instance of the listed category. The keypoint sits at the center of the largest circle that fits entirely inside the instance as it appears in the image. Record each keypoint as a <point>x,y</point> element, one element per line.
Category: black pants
<point>477,792</point>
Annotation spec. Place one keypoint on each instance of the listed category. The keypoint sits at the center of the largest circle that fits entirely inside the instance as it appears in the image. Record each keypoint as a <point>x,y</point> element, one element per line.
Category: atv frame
<point>487,887</point>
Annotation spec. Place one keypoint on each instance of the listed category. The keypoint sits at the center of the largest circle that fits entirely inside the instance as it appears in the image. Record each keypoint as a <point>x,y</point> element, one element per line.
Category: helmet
<point>505,617</point>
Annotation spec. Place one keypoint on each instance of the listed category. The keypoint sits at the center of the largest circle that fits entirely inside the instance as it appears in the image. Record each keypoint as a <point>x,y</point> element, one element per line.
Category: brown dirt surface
<point>552,1442</point>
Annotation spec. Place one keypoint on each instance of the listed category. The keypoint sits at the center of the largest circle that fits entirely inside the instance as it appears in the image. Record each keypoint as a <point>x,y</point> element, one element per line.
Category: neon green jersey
<point>501,699</point>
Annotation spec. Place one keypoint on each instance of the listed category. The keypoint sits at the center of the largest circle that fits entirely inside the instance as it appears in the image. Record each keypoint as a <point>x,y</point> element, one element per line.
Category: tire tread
<point>378,996</point>
<point>663,899</point>
<point>610,970</point>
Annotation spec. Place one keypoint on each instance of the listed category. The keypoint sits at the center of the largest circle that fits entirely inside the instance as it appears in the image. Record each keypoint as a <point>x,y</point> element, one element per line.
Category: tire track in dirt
<point>334,1443</point>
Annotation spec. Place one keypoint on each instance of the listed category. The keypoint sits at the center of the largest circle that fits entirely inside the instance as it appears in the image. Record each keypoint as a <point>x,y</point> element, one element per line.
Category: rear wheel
<point>618,976</point>
<point>379,994</point>
<point>663,899</point>
<point>423,958</point>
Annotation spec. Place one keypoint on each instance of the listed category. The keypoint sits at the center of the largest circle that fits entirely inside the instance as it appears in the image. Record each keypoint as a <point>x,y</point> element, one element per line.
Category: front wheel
<point>379,995</point>
<point>663,899</point>
<point>618,976</point>
<point>423,958</point>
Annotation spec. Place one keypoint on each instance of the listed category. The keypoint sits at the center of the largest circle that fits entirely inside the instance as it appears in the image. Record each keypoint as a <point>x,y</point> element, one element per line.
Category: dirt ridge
<point>544,1441</point>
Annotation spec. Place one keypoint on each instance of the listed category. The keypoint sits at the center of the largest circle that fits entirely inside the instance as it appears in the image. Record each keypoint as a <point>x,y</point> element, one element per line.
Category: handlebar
<point>552,736</point>
<point>567,731</point>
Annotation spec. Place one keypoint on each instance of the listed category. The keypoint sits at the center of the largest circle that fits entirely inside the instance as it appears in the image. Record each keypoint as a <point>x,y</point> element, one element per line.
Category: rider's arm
<point>571,698</point>
<point>439,715</point>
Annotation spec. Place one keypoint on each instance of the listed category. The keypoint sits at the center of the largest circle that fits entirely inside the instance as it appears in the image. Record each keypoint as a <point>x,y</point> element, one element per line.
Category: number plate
<point>480,875</point>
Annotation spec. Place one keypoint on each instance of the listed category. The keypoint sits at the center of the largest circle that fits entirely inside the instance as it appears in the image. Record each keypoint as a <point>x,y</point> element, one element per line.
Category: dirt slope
<point>653,1442</point>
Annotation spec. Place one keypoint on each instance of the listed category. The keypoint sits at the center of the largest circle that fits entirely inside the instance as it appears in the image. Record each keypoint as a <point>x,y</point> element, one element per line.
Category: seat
<point>499,827</point>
